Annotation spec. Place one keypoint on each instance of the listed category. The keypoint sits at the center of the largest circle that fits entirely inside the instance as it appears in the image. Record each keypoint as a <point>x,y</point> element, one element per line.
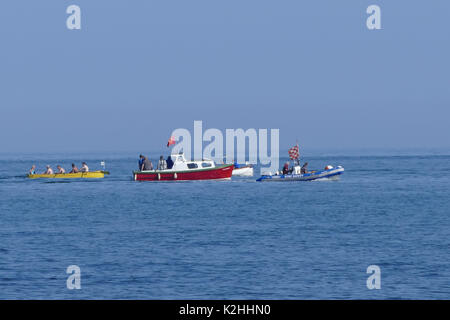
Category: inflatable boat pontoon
<point>332,173</point>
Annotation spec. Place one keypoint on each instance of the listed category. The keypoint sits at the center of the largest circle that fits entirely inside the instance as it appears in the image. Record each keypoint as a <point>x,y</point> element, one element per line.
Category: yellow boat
<point>79,175</point>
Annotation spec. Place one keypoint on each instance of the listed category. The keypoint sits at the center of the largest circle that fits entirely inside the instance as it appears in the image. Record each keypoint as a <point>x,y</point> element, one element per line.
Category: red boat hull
<point>217,173</point>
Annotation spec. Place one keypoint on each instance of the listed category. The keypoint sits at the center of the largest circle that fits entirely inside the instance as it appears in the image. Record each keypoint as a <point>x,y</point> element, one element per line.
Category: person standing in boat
<point>84,167</point>
<point>49,170</point>
<point>141,161</point>
<point>33,169</point>
<point>146,165</point>
<point>286,168</point>
<point>74,169</point>
<point>169,162</point>
<point>162,164</point>
<point>60,169</point>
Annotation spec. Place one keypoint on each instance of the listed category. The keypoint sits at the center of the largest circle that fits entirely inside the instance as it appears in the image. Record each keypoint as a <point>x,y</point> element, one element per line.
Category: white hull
<point>243,172</point>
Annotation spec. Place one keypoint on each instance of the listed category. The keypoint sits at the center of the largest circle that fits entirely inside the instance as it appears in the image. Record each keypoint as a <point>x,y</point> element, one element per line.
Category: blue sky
<point>139,69</point>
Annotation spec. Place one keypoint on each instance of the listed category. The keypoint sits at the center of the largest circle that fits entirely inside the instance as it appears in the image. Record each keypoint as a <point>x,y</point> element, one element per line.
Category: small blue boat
<point>332,173</point>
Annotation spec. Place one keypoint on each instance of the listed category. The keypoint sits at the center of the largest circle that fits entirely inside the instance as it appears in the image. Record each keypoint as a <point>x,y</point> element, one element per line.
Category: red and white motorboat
<point>184,170</point>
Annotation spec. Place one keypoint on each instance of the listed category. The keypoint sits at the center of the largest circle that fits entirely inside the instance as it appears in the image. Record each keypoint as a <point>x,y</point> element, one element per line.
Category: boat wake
<point>335,178</point>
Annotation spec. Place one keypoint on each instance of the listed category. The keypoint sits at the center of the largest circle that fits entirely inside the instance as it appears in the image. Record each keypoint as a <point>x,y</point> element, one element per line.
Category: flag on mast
<point>294,153</point>
<point>171,141</point>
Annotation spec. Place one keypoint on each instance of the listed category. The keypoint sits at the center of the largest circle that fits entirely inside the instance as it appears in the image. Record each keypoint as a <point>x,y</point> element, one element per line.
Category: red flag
<point>294,153</point>
<point>171,141</point>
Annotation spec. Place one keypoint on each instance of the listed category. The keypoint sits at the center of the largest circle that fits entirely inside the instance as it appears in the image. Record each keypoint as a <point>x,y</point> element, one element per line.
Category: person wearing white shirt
<point>162,164</point>
<point>49,170</point>
<point>84,167</point>
<point>60,169</point>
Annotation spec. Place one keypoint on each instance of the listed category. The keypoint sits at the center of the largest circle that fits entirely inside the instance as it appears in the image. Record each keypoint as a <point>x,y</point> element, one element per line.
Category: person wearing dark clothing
<point>74,169</point>
<point>286,168</point>
<point>304,168</point>
<point>169,162</point>
<point>141,161</point>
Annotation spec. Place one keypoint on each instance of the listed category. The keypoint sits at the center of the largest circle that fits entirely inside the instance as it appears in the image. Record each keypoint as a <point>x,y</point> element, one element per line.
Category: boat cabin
<point>181,164</point>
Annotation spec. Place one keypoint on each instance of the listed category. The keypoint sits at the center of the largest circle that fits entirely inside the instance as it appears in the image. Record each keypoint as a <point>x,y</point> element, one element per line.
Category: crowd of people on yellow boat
<point>61,170</point>
<point>145,164</point>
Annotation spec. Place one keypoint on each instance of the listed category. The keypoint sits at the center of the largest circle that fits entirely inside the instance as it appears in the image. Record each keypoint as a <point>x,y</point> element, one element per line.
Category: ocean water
<point>236,239</point>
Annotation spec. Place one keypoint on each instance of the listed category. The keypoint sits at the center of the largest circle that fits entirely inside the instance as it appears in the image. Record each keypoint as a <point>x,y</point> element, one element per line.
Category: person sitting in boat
<point>49,170</point>
<point>169,162</point>
<point>162,164</point>
<point>33,169</point>
<point>84,167</point>
<point>74,169</point>
<point>60,169</point>
<point>304,168</point>
<point>146,165</point>
<point>286,168</point>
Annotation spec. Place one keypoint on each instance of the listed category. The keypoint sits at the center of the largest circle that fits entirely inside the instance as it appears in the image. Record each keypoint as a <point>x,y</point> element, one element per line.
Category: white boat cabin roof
<point>181,164</point>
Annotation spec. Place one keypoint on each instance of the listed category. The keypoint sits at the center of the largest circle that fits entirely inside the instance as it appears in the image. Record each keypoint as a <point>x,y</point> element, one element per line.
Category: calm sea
<point>236,239</point>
